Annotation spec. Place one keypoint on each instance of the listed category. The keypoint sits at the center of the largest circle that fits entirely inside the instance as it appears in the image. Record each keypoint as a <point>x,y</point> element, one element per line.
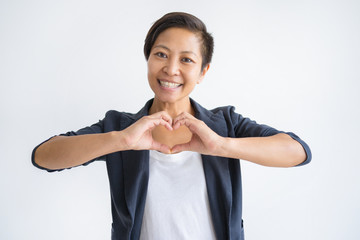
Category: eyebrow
<point>168,49</point>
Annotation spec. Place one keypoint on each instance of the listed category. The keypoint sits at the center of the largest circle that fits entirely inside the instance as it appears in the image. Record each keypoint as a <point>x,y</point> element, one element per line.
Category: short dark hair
<point>188,22</point>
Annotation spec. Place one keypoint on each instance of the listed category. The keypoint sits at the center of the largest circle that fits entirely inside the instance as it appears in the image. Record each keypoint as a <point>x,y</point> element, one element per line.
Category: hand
<point>204,140</point>
<point>138,136</point>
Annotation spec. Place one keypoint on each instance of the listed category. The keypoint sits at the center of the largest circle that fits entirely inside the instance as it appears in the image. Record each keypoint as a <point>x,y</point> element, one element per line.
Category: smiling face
<point>174,65</point>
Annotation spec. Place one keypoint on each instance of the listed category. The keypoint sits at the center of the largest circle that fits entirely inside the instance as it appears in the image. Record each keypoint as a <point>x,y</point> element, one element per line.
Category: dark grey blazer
<point>128,171</point>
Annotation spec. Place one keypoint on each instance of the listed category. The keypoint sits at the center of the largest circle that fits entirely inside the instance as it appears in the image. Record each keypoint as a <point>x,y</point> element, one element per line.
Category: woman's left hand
<point>204,140</point>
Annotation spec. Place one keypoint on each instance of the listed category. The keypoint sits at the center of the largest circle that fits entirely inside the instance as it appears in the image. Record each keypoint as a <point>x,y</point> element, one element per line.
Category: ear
<point>203,73</point>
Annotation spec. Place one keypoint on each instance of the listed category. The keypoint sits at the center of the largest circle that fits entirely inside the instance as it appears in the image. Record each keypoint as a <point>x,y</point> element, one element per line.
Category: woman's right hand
<point>64,152</point>
<point>138,136</point>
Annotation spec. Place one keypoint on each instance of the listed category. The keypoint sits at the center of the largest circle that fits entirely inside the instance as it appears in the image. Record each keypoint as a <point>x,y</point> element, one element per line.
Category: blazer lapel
<point>217,175</point>
<point>136,177</point>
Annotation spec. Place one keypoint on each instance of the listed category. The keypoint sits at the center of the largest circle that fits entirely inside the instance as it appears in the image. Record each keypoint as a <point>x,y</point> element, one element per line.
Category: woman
<point>173,166</point>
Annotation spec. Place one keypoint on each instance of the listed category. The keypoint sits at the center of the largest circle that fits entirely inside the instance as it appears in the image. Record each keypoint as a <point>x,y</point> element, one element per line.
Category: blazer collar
<point>217,175</point>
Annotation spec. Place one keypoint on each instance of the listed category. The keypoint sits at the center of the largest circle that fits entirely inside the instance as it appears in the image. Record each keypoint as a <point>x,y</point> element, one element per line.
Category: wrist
<point>222,144</point>
<point>118,139</point>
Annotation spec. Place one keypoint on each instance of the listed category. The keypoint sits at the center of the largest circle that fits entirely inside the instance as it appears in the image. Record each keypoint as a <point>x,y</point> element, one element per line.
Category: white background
<point>293,65</point>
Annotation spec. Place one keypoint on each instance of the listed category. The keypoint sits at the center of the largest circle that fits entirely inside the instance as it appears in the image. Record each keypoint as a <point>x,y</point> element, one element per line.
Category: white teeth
<point>169,84</point>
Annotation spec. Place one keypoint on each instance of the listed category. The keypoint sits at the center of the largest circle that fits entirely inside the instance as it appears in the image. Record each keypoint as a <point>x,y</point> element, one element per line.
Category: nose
<point>172,67</point>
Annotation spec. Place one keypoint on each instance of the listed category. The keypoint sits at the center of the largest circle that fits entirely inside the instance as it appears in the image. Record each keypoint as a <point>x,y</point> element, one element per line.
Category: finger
<point>181,147</point>
<point>184,119</point>
<point>192,124</point>
<point>182,116</point>
<point>164,115</point>
<point>161,147</point>
<point>153,122</point>
<point>166,124</point>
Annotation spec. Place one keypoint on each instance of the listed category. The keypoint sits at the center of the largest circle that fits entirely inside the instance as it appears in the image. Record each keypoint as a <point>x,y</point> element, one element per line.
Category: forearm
<point>279,150</point>
<point>64,152</point>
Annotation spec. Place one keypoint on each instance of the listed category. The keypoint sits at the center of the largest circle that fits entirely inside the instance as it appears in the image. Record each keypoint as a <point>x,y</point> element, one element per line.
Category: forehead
<point>179,39</point>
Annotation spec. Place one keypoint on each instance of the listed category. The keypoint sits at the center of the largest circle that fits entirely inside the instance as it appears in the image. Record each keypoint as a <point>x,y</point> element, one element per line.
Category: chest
<point>177,198</point>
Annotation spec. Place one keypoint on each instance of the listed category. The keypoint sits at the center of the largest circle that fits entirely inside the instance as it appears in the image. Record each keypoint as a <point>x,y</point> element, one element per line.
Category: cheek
<point>149,66</point>
<point>193,75</point>
<point>153,68</point>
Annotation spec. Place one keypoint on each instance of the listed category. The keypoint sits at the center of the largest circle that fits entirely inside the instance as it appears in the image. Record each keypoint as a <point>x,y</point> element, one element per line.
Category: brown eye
<point>187,60</point>
<point>161,55</point>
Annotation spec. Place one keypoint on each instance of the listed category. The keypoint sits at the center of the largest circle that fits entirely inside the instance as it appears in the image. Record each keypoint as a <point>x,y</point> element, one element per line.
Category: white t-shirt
<point>177,205</point>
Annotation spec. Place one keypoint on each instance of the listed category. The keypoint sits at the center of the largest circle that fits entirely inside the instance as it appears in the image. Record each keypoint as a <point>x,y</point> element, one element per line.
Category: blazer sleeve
<point>95,128</point>
<point>245,127</point>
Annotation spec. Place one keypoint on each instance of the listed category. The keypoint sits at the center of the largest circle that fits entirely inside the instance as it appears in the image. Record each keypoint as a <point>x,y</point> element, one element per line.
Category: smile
<point>169,84</point>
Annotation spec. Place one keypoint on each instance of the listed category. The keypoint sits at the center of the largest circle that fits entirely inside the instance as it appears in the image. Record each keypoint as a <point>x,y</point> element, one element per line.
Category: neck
<point>173,109</point>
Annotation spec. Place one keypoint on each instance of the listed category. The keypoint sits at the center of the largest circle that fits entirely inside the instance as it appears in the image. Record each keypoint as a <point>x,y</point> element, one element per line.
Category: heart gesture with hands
<point>139,135</point>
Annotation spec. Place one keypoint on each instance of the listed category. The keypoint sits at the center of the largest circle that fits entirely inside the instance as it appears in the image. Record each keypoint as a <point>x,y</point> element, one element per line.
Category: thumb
<point>180,147</point>
<point>161,147</point>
